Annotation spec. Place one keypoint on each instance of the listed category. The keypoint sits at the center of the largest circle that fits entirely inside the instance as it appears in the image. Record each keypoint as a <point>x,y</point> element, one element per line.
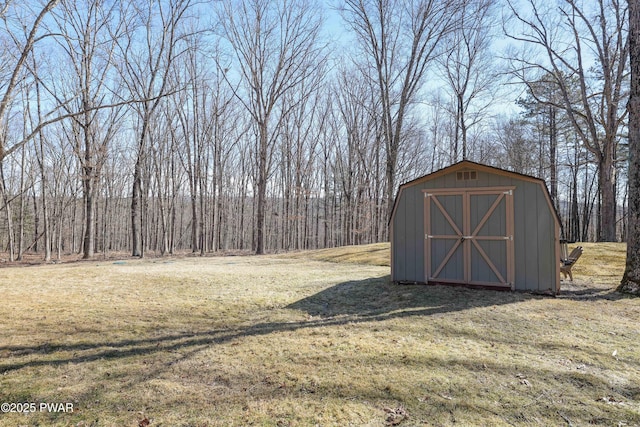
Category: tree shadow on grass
<point>369,300</point>
<point>584,291</point>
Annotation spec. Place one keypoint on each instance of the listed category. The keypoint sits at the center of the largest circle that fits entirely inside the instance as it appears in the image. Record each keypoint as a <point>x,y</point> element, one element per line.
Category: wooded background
<point>164,126</point>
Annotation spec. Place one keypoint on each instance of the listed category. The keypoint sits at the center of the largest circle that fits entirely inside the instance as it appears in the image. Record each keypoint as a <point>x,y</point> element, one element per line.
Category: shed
<point>476,225</point>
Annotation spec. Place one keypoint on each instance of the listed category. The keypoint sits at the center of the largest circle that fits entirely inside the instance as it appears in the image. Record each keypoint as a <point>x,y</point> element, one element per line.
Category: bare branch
<point>13,80</point>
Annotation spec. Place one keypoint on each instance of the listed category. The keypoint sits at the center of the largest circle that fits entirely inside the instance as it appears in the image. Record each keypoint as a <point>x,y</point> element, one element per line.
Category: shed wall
<point>536,261</point>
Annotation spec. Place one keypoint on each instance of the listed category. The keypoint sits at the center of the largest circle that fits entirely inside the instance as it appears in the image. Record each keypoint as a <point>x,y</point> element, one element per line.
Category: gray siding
<point>408,236</point>
<point>534,236</point>
<point>535,255</point>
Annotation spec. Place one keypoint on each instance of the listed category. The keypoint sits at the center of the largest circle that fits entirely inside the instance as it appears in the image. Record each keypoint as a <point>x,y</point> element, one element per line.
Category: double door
<point>469,236</point>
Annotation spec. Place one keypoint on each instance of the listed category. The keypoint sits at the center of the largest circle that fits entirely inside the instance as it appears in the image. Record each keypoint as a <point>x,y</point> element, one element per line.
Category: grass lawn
<point>313,338</point>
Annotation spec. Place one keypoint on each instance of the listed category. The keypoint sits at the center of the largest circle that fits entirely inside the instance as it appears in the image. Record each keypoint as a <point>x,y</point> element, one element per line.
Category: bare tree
<point>275,44</point>
<point>88,38</point>
<point>14,71</point>
<point>297,149</point>
<point>548,120</point>
<point>585,42</point>
<point>356,157</point>
<point>40,157</point>
<point>467,66</point>
<point>400,41</point>
<point>145,68</point>
<point>631,279</point>
<point>195,113</point>
<point>514,149</point>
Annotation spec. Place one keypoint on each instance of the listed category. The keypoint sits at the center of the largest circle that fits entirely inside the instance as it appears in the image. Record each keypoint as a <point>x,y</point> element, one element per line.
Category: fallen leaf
<point>610,400</point>
<point>395,416</point>
<point>144,423</point>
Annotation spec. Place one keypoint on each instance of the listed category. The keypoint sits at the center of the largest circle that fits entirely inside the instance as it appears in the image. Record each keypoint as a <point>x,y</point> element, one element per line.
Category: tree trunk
<point>22,206</point>
<point>392,161</point>
<point>607,188</point>
<point>135,208</point>
<point>7,210</point>
<point>262,190</point>
<point>194,222</point>
<point>574,228</point>
<point>36,222</point>
<point>631,279</point>
<point>201,219</point>
<point>43,184</point>
<point>89,232</point>
<point>553,164</point>
<point>463,128</point>
<point>45,223</point>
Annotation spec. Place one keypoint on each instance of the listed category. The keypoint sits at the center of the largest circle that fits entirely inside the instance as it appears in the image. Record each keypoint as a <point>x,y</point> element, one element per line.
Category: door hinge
<point>509,192</point>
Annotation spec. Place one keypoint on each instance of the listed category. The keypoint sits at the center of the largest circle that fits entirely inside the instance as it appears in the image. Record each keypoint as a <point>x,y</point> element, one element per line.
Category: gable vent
<point>466,175</point>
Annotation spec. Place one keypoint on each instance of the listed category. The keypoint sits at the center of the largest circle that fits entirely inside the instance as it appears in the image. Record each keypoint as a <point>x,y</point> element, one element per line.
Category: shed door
<point>469,236</point>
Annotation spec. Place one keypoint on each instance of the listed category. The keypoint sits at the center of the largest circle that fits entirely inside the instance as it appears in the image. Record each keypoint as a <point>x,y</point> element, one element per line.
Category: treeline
<point>178,125</point>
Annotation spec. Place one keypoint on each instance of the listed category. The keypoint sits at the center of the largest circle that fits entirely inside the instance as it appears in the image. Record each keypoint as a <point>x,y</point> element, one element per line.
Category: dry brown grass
<point>373,254</point>
<point>280,341</point>
<point>601,263</point>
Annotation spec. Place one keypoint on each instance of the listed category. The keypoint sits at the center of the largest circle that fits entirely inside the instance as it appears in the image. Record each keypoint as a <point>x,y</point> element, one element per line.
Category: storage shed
<point>477,226</point>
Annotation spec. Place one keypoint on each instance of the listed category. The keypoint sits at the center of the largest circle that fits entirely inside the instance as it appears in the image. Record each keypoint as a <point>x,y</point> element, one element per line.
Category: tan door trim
<point>504,193</point>
<point>429,236</point>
